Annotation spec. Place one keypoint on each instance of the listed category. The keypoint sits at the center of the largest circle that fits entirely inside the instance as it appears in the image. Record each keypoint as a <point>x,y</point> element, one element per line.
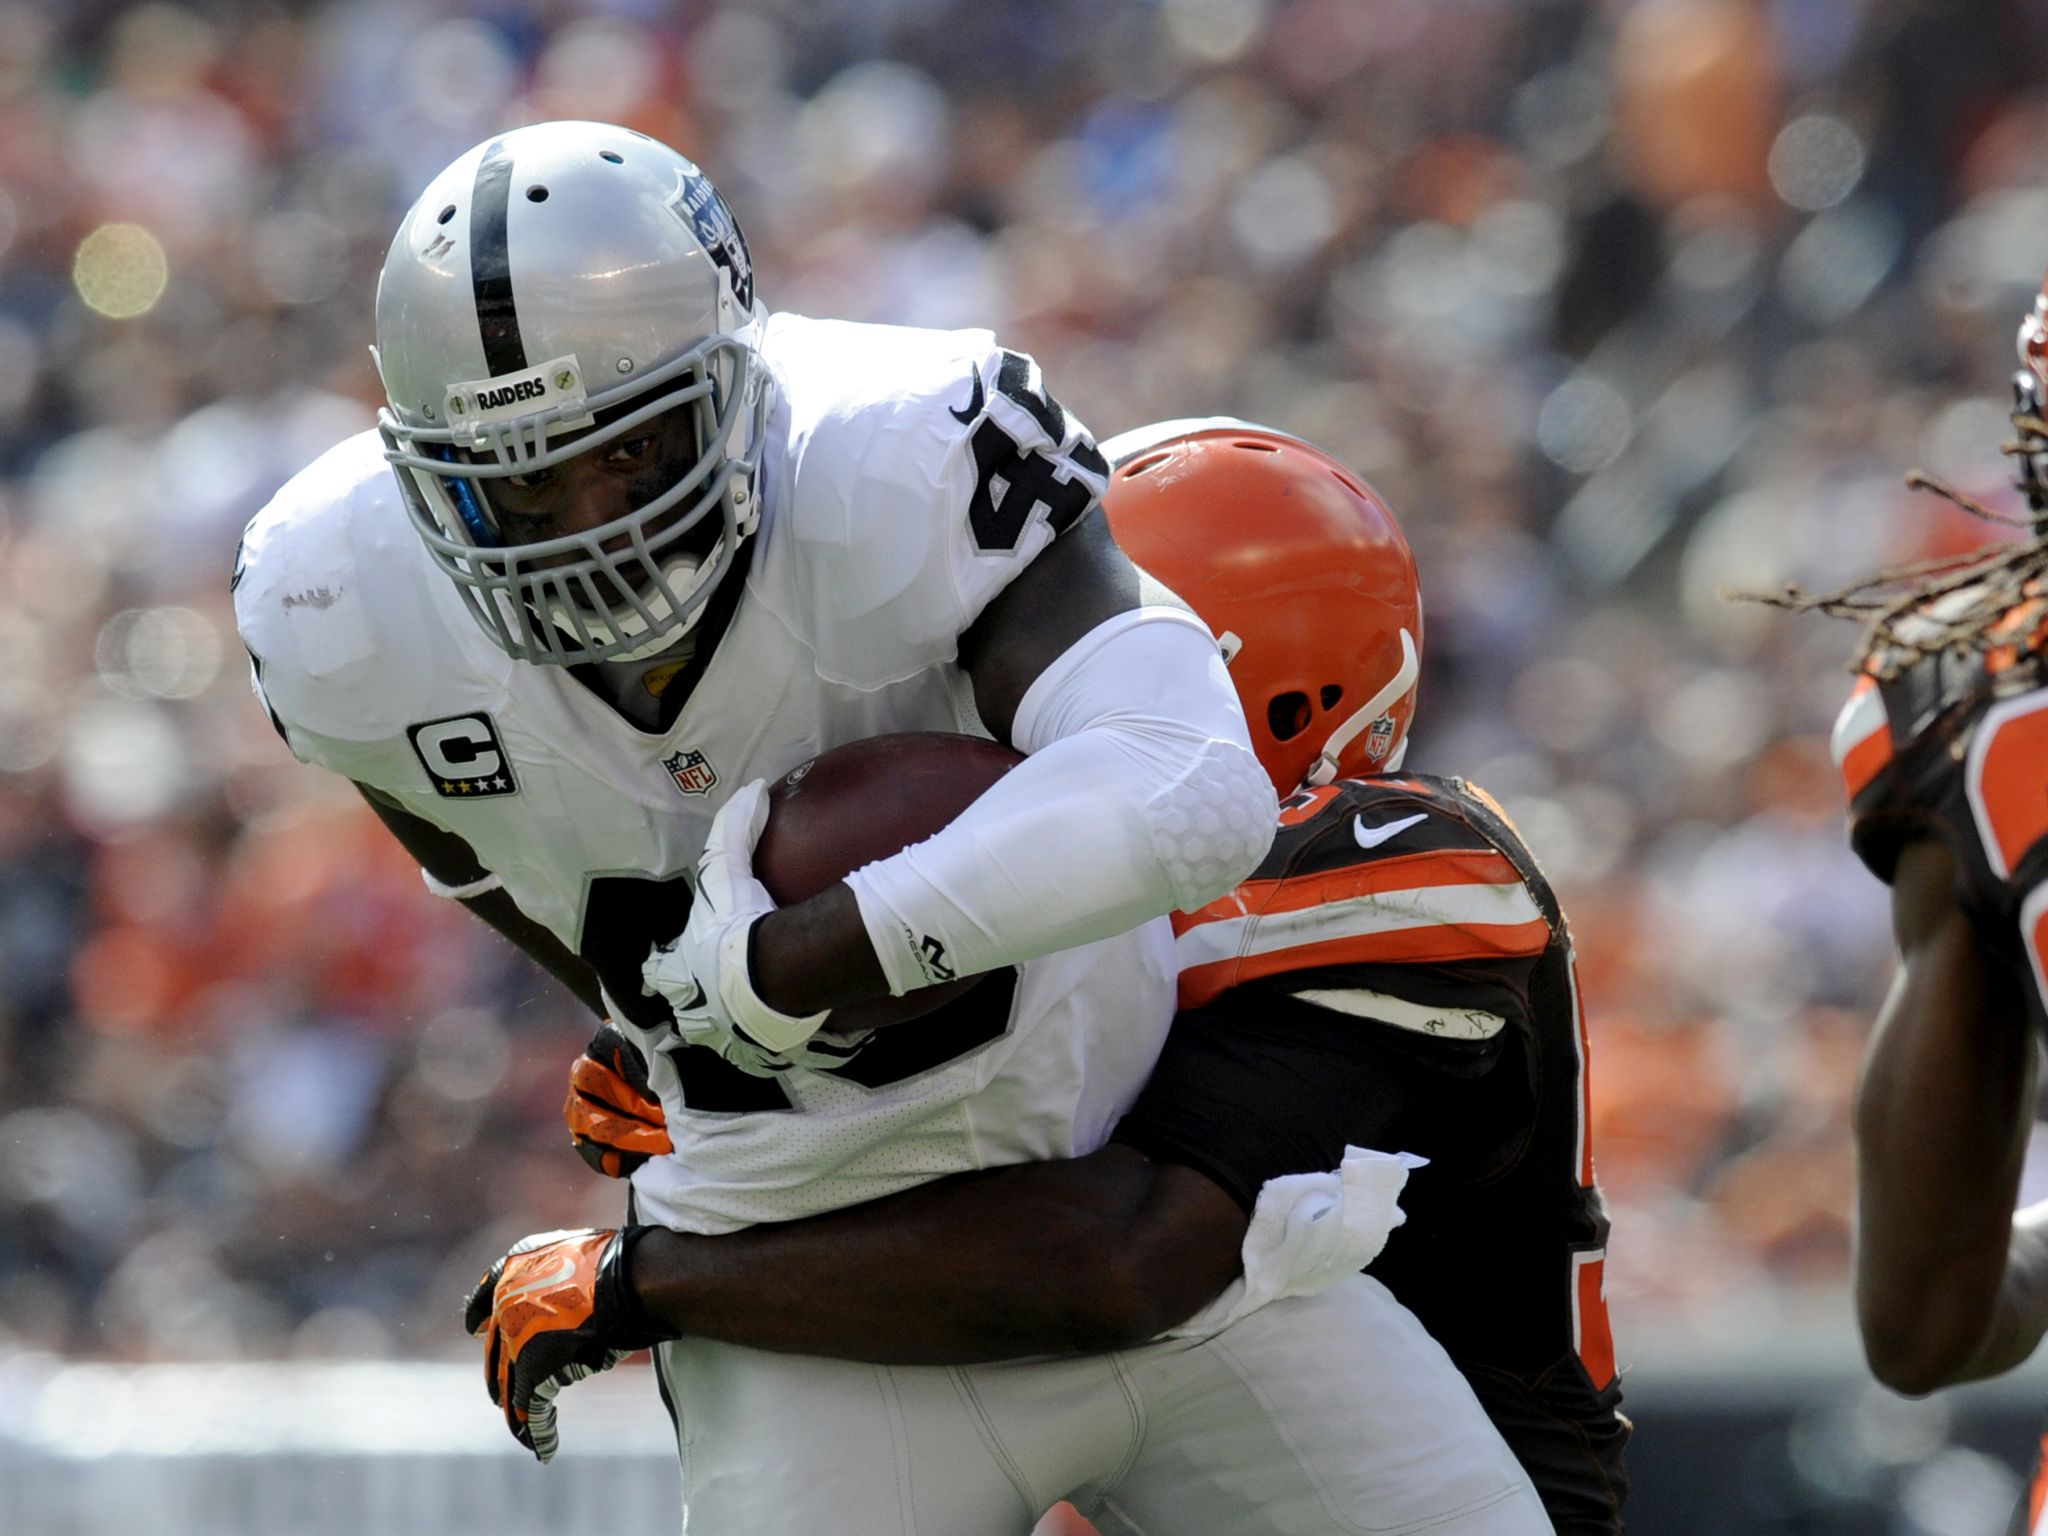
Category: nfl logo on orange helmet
<point>1379,738</point>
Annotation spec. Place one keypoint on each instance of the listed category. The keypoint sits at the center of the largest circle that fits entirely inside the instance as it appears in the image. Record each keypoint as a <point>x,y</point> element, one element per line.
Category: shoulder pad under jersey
<point>1384,871</point>
<point>923,470</point>
<point>351,629</point>
<point>1906,735</point>
<point>1956,747</point>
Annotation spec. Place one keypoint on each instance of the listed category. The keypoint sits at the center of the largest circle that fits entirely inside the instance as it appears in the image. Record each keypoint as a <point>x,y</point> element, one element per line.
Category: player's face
<point>591,490</point>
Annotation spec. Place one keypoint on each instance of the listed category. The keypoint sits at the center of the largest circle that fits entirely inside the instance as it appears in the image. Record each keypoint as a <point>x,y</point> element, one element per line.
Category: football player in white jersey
<point>624,546</point>
<point>1381,981</point>
<point>646,545</point>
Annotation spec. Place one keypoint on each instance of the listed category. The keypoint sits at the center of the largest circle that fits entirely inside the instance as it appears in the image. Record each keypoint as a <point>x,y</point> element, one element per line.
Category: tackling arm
<point>1950,1284</point>
<point>1074,1257</point>
<point>1062,1258</point>
<point>450,863</point>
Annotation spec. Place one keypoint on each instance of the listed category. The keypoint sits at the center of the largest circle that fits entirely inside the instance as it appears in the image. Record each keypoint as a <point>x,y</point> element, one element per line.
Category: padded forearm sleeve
<point>1140,795</point>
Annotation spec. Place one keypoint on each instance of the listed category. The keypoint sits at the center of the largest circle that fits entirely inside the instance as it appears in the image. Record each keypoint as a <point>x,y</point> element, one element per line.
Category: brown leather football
<point>862,802</point>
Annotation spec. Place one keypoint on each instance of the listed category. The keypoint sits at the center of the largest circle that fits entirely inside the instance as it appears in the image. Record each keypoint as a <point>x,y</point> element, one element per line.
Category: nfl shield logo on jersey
<point>692,772</point>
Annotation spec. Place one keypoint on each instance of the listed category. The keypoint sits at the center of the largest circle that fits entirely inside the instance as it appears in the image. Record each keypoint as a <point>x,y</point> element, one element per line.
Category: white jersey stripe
<point>1437,906</point>
<point>1582,1099</point>
<point>1443,1023</point>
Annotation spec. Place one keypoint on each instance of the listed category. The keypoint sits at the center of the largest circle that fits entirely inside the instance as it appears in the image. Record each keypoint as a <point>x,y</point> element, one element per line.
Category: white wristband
<point>769,1028</point>
<point>446,892</point>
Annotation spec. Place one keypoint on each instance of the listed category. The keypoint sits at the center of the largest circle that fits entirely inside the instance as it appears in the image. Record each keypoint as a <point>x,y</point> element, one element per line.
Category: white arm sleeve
<point>1140,795</point>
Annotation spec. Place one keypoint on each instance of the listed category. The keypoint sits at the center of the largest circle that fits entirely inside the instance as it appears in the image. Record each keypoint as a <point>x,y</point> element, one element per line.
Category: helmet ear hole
<point>1331,693</point>
<point>1287,715</point>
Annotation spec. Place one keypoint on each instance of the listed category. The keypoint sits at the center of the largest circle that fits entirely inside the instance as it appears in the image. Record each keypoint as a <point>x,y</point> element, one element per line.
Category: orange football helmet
<point>1302,573</point>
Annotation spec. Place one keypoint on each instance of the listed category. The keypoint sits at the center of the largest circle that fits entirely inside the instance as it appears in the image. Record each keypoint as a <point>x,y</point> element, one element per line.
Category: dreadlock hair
<point>1901,608</point>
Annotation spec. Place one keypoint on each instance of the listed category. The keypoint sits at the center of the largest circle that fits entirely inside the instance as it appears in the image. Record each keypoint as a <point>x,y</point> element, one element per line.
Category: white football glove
<point>702,973</point>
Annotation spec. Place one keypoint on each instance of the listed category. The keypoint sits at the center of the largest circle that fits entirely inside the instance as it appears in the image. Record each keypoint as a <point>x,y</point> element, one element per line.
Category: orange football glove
<point>557,1308</point>
<point>614,1123</point>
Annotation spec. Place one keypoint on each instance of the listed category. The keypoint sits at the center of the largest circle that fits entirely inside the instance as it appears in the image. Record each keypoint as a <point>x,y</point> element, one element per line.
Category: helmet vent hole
<point>1349,484</point>
<point>536,194</point>
<point>445,215</point>
<point>612,156</point>
<point>1143,465</point>
<point>1287,715</point>
<point>1331,693</point>
<point>1258,447</point>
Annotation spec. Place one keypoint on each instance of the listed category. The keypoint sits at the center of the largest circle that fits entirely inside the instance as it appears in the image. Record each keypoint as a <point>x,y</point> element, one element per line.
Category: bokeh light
<point>1213,30</point>
<point>157,653</point>
<point>1584,425</point>
<point>1816,162</point>
<point>120,271</point>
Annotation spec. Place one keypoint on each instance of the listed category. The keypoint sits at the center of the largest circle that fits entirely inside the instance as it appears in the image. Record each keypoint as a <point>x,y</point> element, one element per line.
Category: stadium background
<point>1618,304</point>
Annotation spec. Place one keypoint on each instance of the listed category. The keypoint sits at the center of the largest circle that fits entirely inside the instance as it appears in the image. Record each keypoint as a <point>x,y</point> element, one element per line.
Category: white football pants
<point>1325,1415</point>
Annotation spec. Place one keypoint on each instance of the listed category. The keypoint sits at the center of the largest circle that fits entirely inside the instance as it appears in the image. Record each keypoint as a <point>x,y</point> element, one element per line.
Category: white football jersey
<point>909,475</point>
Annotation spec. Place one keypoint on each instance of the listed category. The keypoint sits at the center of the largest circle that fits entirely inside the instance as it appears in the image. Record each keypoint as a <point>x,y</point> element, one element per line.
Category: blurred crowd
<point>1620,305</point>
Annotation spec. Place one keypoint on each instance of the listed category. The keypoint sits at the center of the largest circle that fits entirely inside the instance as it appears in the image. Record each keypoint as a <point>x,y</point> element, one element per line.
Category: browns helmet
<point>1299,569</point>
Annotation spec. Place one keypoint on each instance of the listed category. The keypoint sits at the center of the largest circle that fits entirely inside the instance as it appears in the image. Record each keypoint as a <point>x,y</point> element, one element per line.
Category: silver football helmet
<point>555,289</point>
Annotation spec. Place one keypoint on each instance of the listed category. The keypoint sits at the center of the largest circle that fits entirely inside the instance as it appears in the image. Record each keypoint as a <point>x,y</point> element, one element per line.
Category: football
<point>862,802</point>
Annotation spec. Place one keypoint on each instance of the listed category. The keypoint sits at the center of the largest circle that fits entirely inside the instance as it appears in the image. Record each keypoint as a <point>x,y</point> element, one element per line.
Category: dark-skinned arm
<point>817,954</point>
<point>1061,1258</point>
<point>1951,1286</point>
<point>452,862</point>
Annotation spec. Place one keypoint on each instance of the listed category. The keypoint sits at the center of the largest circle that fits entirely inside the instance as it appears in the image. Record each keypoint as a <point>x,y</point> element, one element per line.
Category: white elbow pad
<point>1211,826</point>
<point>1159,671</point>
<point>1141,794</point>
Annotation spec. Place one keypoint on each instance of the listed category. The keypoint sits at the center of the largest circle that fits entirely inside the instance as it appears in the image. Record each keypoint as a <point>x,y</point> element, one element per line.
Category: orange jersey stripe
<point>1593,1333</point>
<point>1436,943</point>
<point>2006,769</point>
<point>1866,760</point>
<point>1862,742</point>
<point>1431,869</point>
<point>1294,812</point>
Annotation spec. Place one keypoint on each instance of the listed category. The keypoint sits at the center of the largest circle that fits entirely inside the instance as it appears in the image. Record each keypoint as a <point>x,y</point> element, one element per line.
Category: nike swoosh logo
<point>545,1282</point>
<point>694,1000</point>
<point>974,402</point>
<point>1372,837</point>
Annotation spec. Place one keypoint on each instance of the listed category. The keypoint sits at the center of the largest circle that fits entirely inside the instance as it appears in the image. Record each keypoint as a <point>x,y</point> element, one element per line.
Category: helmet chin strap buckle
<point>1324,769</point>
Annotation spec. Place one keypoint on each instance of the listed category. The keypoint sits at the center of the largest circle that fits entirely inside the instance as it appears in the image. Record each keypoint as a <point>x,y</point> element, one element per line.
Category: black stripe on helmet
<point>490,264</point>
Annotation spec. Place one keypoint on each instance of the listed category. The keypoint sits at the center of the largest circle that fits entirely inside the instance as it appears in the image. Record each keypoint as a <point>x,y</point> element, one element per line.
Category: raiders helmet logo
<point>697,203</point>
